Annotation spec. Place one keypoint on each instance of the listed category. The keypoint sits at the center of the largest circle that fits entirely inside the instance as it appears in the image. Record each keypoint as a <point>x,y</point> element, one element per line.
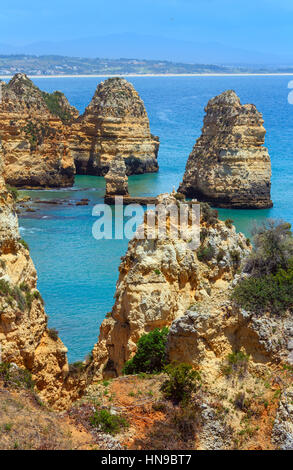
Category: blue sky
<point>264,25</point>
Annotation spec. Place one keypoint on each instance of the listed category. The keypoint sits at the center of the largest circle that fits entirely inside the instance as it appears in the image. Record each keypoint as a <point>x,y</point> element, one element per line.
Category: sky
<point>265,25</point>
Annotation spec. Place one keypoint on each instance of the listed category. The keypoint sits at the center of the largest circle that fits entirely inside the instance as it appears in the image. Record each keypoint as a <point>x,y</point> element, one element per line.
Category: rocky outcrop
<point>114,123</point>
<point>116,179</point>
<point>159,278</point>
<point>229,166</point>
<point>25,338</point>
<point>34,135</point>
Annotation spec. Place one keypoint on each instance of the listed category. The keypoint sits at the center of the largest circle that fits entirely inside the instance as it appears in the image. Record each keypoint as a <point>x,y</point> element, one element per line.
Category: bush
<point>106,422</point>
<point>273,248</point>
<point>53,334</point>
<point>15,377</point>
<point>270,293</point>
<point>54,102</point>
<point>24,243</point>
<point>76,367</point>
<point>229,223</point>
<point>183,380</point>
<point>13,191</point>
<point>208,215</point>
<point>205,253</point>
<point>150,354</point>
<point>13,294</point>
<point>236,362</point>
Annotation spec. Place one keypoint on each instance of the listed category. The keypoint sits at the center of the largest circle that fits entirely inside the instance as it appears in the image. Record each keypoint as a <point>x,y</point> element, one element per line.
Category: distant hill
<point>149,47</point>
<point>62,65</point>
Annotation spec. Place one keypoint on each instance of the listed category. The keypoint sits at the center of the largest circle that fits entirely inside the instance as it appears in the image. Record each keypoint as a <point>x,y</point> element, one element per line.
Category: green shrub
<point>15,377</point>
<point>76,367</point>
<point>13,294</point>
<point>182,381</point>
<point>270,293</point>
<point>107,422</point>
<point>235,257</point>
<point>53,333</point>
<point>235,363</point>
<point>150,354</point>
<point>273,248</point>
<point>13,191</point>
<point>205,253</point>
<point>54,102</point>
<point>179,197</point>
<point>24,243</point>
<point>208,215</point>
<point>229,223</point>
<point>220,255</point>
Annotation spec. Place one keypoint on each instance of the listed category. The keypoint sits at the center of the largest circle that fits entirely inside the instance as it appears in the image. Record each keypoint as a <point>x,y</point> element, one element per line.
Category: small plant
<point>24,244</point>
<point>76,367</point>
<point>229,223</point>
<point>235,257</point>
<point>208,215</point>
<point>15,377</point>
<point>205,253</point>
<point>13,191</point>
<point>157,271</point>
<point>53,333</point>
<point>107,422</point>
<point>236,362</point>
<point>179,197</point>
<point>220,255</point>
<point>182,382</point>
<point>150,354</point>
<point>7,427</point>
<point>106,383</point>
<point>159,406</point>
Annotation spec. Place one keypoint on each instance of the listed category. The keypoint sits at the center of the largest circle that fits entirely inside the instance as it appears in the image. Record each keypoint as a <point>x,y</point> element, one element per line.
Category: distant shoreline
<point>276,74</point>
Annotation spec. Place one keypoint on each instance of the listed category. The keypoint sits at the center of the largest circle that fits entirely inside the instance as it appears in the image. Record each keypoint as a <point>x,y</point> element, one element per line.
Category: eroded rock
<point>229,166</point>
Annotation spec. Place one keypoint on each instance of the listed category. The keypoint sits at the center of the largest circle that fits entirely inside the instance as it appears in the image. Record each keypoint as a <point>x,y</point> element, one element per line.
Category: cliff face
<point>114,123</point>
<point>159,279</point>
<point>34,135</point>
<point>228,166</point>
<point>24,337</point>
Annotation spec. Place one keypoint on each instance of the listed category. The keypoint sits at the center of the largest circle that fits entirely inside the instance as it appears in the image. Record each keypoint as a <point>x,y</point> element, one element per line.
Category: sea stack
<point>114,123</point>
<point>116,178</point>
<point>34,128</point>
<point>229,165</point>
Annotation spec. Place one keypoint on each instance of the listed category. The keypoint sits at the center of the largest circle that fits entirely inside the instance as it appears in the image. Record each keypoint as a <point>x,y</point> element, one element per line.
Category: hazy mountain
<point>130,45</point>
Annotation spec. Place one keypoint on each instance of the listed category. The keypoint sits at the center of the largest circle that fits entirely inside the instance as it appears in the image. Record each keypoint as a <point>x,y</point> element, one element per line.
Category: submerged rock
<point>114,123</point>
<point>34,135</point>
<point>229,166</point>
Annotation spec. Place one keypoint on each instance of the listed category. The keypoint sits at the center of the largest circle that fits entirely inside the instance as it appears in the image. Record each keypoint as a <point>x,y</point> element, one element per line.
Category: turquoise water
<point>78,274</point>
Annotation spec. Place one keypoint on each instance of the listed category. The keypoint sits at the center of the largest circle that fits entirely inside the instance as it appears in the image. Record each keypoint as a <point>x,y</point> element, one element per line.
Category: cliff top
<point>116,97</point>
<point>22,94</point>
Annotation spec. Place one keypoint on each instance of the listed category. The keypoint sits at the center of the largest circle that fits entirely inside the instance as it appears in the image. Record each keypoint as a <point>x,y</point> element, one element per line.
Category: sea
<point>77,273</point>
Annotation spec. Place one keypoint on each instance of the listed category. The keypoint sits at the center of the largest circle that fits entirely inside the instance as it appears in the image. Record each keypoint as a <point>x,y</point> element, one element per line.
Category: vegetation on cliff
<point>269,287</point>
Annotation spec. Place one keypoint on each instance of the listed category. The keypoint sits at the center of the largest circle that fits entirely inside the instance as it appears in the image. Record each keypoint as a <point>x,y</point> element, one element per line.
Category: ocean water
<point>77,274</point>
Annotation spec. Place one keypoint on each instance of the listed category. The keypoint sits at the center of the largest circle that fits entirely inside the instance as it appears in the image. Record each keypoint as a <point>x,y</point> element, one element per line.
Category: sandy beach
<point>3,77</point>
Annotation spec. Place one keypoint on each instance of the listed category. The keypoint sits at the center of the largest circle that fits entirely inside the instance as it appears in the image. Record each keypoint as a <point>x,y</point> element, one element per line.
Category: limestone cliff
<point>34,135</point>
<point>24,336</point>
<point>159,278</point>
<point>229,166</point>
<point>114,123</point>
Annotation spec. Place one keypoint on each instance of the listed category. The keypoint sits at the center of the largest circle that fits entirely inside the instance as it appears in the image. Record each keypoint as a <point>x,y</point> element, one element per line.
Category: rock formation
<point>229,166</point>
<point>116,179</point>
<point>25,338</point>
<point>114,123</point>
<point>159,279</point>
<point>34,135</point>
